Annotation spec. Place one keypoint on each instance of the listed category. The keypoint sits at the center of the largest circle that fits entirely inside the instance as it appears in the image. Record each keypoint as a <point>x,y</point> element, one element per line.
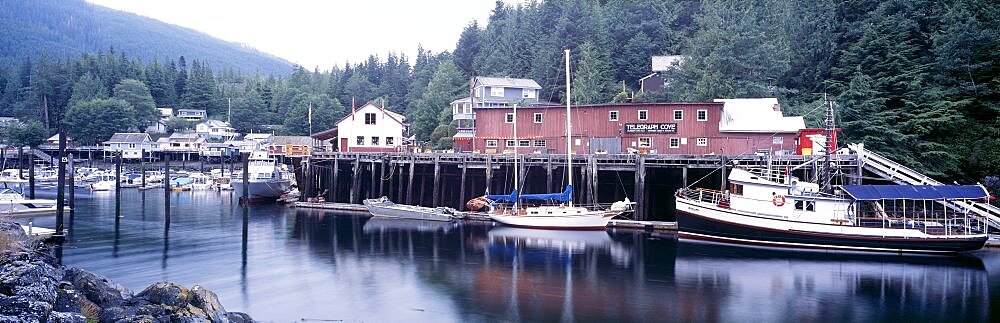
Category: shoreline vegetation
<point>35,288</point>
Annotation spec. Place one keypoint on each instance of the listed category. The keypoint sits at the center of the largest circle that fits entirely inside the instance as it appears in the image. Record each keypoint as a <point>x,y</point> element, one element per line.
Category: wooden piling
<point>166,191</point>
<point>246,178</point>
<point>409,184</point>
<point>436,190</point>
<point>489,173</point>
<point>548,174</point>
<point>594,198</point>
<point>72,184</point>
<point>335,183</point>
<point>382,180</point>
<point>118,185</point>
<point>61,181</point>
<point>142,166</point>
<point>461,183</point>
<point>684,176</point>
<point>31,172</point>
<point>354,180</point>
<point>640,188</point>
<point>371,187</point>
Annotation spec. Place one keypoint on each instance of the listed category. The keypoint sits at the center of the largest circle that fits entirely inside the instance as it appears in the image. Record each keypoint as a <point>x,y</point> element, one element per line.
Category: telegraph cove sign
<point>650,128</point>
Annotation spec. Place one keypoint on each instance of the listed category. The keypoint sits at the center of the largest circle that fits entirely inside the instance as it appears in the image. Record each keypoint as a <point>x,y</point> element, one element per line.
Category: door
<point>343,145</point>
<point>610,145</point>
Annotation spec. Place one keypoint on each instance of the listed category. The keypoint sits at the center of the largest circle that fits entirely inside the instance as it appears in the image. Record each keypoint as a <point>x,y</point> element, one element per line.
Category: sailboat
<point>564,216</point>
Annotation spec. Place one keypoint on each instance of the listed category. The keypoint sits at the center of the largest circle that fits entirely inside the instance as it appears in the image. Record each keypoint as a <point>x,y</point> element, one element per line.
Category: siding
<point>592,121</point>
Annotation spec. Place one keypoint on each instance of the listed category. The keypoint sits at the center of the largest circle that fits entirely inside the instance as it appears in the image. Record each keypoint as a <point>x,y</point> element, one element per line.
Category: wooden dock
<point>39,232</point>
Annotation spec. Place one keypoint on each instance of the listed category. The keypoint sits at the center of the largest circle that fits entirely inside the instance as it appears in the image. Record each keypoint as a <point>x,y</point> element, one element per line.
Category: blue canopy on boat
<point>565,196</point>
<point>914,192</point>
<point>512,197</point>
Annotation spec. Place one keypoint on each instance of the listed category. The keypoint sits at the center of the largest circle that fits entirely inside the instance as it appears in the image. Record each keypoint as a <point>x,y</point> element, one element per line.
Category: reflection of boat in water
<point>562,240</point>
<point>810,285</point>
<point>380,224</point>
<point>383,207</point>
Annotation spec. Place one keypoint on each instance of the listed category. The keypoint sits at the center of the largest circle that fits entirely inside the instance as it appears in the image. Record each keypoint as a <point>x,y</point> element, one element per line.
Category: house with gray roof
<point>131,145</point>
<point>487,93</point>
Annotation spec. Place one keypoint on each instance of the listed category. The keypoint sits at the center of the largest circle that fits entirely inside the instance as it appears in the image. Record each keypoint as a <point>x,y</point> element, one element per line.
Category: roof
<point>325,134</point>
<point>756,115</point>
<point>128,137</point>
<point>251,136</point>
<point>184,137</point>
<point>191,110</point>
<point>914,192</point>
<point>395,116</point>
<point>292,140</point>
<point>663,63</point>
<point>508,82</point>
<point>215,123</point>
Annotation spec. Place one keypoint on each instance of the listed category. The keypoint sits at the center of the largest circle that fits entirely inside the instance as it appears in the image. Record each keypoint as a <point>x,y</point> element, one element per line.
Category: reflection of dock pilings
<point>452,179</point>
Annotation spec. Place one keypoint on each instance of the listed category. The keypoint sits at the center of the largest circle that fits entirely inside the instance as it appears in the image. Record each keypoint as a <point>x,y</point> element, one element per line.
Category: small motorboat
<point>385,208</point>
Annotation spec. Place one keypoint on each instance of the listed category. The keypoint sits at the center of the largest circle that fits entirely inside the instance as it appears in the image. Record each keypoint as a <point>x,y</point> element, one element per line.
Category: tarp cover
<point>914,192</point>
<point>565,196</point>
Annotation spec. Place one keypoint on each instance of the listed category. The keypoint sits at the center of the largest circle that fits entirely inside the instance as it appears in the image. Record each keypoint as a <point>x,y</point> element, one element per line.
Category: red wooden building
<point>741,126</point>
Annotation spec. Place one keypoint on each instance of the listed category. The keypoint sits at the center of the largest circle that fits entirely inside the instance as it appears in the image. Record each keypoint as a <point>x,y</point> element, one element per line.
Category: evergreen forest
<point>912,79</point>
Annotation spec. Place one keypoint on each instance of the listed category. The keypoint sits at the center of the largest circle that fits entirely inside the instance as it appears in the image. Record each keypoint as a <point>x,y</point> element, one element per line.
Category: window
<point>678,114</point>
<point>805,206</point>
<point>467,108</point>
<point>702,142</point>
<point>777,140</point>
<point>524,143</point>
<point>675,142</point>
<point>510,143</point>
<point>374,140</point>
<point>361,140</point>
<point>702,115</point>
<point>645,142</point>
<point>479,92</point>
<point>528,93</point>
<point>491,143</point>
<point>613,115</point>
<point>389,141</point>
<point>540,143</point>
<point>496,91</point>
<point>369,118</point>
<point>509,118</point>
<point>643,114</point>
<point>736,189</point>
<point>537,117</point>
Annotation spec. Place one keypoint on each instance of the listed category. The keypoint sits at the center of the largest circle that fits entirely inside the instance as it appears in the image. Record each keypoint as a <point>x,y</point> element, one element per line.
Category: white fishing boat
<point>104,182</point>
<point>201,181</point>
<point>13,203</point>
<point>561,216</point>
<point>383,207</point>
<point>267,181</point>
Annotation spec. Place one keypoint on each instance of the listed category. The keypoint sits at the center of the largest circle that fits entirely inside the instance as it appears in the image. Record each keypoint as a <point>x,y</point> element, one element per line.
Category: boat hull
<point>597,221</point>
<point>707,226</point>
<point>27,207</point>
<point>261,191</point>
<point>380,208</point>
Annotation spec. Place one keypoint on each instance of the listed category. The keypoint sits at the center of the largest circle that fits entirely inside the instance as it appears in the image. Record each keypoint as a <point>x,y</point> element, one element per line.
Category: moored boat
<point>267,181</point>
<point>760,209</point>
<point>13,203</point>
<point>383,207</point>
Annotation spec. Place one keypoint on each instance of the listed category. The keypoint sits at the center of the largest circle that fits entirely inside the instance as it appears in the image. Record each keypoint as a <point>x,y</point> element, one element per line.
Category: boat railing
<point>704,195</point>
<point>934,223</point>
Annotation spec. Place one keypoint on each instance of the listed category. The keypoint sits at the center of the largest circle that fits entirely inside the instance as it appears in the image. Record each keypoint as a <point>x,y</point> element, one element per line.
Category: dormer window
<point>369,118</point>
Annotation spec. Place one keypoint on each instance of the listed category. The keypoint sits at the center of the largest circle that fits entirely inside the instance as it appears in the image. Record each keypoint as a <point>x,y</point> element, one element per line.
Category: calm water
<point>295,265</point>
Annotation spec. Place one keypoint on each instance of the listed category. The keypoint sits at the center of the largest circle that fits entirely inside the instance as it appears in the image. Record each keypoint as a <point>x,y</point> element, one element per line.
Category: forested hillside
<point>66,28</point>
<point>914,79</point>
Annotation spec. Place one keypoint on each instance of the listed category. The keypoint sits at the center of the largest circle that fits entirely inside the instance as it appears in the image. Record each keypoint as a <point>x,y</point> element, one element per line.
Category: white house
<point>130,145</point>
<point>192,114</point>
<point>215,129</point>
<point>160,126</point>
<point>371,129</point>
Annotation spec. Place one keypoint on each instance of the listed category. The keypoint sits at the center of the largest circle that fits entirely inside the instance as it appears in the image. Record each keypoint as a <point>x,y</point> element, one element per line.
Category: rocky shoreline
<point>34,288</point>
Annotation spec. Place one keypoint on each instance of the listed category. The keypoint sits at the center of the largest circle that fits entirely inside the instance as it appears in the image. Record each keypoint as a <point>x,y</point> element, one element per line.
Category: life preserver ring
<point>778,200</point>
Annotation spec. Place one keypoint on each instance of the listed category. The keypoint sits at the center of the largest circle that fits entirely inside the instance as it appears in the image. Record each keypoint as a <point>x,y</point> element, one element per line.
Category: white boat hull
<point>27,207</point>
<point>262,190</point>
<point>583,220</point>
<point>384,208</point>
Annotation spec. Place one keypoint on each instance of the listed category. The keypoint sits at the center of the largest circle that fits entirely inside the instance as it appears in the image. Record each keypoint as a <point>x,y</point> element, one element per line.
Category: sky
<point>315,33</point>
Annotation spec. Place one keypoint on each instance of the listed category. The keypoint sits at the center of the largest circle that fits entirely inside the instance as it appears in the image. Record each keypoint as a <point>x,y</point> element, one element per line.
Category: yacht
<point>763,209</point>
<point>267,181</point>
<point>104,182</point>
<point>13,203</point>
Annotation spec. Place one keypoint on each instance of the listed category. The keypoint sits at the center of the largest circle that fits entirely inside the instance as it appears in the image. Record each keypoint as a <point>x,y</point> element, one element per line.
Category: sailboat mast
<point>569,132</point>
<point>516,143</point>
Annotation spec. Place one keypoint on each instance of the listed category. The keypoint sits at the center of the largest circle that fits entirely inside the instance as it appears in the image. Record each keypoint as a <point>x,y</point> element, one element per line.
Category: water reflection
<point>285,264</point>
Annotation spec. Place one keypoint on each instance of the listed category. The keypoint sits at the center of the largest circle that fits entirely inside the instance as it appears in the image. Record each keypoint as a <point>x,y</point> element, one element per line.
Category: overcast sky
<point>322,33</point>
